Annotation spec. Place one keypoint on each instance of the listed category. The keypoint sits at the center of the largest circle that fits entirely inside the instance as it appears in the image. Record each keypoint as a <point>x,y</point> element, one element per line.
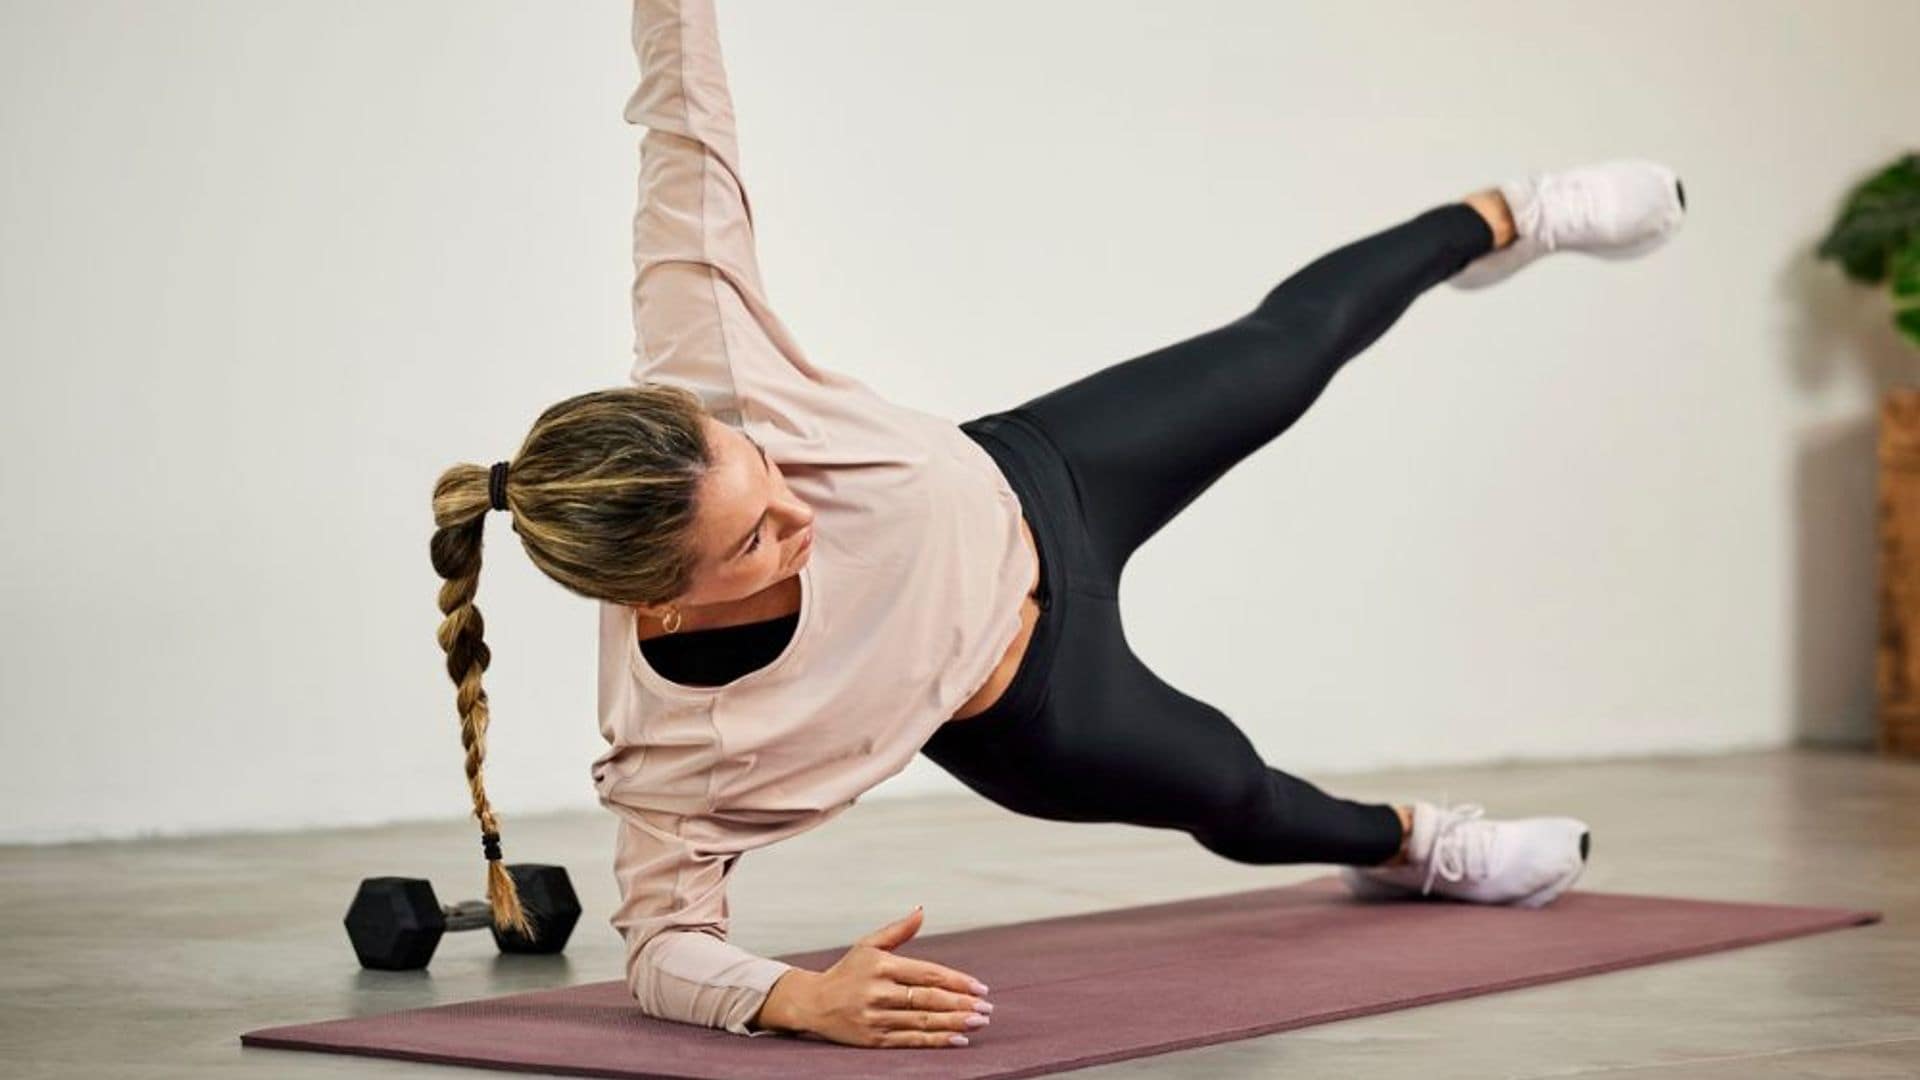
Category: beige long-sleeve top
<point>910,597</point>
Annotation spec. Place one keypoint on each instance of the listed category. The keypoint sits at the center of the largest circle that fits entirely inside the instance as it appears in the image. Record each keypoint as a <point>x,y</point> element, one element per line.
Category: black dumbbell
<point>395,923</point>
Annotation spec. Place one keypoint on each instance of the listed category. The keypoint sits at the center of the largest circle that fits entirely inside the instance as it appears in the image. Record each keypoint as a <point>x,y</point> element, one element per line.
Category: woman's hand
<point>862,999</point>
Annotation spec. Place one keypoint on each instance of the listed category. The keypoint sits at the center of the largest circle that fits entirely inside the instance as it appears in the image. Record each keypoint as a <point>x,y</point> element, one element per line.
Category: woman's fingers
<point>943,1039</point>
<point>942,1004</point>
<point>906,969</point>
<point>937,1017</point>
<point>927,999</point>
<point>924,1020</point>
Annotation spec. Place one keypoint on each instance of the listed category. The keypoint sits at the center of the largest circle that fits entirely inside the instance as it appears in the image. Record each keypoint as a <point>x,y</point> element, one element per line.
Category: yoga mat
<point>1080,990</point>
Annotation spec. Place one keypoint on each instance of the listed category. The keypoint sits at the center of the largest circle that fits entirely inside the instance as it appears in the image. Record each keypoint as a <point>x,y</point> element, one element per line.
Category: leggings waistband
<point>1044,486</point>
<point>1049,495</point>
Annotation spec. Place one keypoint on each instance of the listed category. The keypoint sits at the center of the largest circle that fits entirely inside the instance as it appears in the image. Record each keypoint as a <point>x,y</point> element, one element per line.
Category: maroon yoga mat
<point>1082,990</point>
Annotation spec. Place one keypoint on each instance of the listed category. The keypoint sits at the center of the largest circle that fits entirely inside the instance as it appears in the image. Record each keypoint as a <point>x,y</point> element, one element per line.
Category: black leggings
<point>1086,732</point>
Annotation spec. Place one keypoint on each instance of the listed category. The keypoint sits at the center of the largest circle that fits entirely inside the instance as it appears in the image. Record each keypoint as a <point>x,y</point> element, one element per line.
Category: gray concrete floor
<point>148,959</point>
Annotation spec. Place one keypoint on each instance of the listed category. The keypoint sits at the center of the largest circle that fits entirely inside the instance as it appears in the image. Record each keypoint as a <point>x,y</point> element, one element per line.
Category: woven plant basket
<point>1899,512</point>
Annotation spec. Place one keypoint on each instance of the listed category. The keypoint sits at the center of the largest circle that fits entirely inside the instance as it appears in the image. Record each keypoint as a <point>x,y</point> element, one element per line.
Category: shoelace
<point>1457,849</point>
<point>1576,209</point>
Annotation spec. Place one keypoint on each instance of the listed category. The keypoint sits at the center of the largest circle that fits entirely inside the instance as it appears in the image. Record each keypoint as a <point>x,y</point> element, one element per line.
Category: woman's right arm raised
<point>701,316</point>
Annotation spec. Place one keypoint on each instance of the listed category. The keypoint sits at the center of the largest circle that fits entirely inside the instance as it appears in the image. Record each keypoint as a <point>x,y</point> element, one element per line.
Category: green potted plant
<point>1876,240</point>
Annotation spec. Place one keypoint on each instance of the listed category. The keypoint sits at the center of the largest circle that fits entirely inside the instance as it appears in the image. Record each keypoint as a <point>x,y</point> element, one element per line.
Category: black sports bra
<point>719,654</point>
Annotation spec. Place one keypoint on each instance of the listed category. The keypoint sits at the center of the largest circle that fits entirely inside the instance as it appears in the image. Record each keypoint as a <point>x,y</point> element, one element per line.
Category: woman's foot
<point>1450,853</point>
<point>1613,210</point>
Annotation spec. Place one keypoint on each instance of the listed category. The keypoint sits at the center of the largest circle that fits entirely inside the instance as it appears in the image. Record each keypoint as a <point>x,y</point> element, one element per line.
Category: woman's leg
<point>1110,741</point>
<point>1158,756</point>
<point>1144,437</point>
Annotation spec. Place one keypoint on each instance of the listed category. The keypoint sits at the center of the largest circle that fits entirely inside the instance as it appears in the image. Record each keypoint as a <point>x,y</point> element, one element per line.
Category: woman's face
<point>750,528</point>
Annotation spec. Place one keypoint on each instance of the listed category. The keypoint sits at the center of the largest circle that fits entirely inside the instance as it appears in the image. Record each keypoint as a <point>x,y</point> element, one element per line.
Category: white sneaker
<point>1613,210</point>
<point>1523,863</point>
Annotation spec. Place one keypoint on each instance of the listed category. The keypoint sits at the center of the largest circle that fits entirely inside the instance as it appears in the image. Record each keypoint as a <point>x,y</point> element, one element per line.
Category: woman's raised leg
<point>1147,435</point>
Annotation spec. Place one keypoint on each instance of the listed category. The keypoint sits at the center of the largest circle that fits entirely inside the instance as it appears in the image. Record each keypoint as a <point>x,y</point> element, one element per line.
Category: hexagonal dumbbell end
<point>395,923</point>
<point>551,906</point>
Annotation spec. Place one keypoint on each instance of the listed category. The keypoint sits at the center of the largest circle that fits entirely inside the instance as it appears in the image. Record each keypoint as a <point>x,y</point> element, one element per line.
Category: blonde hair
<point>602,496</point>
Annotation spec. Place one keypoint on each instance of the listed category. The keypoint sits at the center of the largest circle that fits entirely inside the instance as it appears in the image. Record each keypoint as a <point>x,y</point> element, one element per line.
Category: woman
<point>802,584</point>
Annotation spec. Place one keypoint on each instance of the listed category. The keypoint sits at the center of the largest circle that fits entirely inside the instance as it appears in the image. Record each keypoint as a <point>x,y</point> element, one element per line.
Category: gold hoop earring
<point>672,621</point>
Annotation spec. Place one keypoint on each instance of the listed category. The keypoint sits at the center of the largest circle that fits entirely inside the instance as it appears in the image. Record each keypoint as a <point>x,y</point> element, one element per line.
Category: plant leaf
<point>1903,271</point>
<point>1880,216</point>
<point>1908,320</point>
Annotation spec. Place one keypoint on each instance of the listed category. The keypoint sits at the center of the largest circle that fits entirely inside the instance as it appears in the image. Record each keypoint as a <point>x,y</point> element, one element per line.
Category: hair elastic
<point>497,486</point>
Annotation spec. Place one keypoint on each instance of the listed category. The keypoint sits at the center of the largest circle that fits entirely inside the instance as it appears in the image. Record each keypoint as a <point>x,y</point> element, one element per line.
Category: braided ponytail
<point>460,501</point>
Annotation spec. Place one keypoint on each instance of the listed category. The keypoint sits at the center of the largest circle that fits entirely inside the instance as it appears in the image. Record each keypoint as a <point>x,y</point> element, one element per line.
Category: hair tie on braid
<point>490,843</point>
<point>497,486</point>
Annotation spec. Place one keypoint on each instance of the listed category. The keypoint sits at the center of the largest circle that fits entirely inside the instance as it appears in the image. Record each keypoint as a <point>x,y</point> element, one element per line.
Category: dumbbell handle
<point>467,915</point>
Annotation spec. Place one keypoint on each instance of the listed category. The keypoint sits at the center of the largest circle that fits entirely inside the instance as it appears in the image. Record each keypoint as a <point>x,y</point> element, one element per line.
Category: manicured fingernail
<point>983,1006</point>
<point>958,1040</point>
<point>979,987</point>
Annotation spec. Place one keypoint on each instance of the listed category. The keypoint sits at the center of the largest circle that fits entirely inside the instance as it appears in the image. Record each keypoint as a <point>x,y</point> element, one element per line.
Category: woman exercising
<point>801,584</point>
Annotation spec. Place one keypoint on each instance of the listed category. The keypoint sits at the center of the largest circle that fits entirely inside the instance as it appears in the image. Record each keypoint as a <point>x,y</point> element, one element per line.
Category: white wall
<point>267,268</point>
